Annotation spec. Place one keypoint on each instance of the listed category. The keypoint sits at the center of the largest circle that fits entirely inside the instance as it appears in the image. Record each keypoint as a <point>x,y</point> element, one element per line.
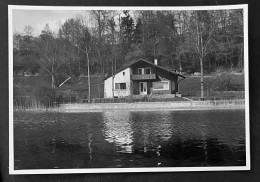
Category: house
<point>141,78</point>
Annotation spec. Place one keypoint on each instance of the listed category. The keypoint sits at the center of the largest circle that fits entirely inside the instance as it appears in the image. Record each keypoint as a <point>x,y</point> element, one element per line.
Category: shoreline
<point>145,106</point>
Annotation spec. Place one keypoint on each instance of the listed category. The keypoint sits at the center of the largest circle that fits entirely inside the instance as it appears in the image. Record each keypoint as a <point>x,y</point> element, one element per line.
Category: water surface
<point>129,139</point>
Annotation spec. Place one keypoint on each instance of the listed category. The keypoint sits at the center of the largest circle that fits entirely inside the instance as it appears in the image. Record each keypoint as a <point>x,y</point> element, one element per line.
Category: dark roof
<point>135,61</point>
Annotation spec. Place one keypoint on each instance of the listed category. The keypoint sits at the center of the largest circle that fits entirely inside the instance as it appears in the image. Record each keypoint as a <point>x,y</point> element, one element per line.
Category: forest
<point>101,41</point>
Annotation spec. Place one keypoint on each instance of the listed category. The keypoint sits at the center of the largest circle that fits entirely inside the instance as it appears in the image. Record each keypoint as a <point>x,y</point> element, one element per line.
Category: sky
<point>39,18</point>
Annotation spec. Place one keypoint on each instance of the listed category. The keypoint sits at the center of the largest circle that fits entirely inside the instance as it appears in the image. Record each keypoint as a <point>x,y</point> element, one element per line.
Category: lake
<point>119,139</point>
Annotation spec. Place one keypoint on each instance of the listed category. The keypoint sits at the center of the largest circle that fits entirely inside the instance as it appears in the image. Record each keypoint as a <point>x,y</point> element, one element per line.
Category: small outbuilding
<point>141,77</point>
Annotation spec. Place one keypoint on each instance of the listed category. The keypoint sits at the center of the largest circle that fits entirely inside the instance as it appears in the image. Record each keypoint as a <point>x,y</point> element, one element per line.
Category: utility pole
<point>88,76</point>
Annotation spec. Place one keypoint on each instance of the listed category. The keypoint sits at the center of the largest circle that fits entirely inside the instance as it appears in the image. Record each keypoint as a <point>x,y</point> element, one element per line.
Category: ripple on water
<point>129,139</point>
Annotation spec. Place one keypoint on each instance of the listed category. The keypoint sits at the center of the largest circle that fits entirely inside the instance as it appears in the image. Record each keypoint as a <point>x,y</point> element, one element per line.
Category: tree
<point>137,34</point>
<point>24,53</point>
<point>237,34</point>
<point>83,42</point>
<point>51,51</point>
<point>187,41</point>
<point>182,47</point>
<point>127,25</point>
<point>201,33</point>
<point>169,37</point>
<point>69,33</point>
<point>27,38</point>
<point>100,21</point>
<point>17,41</point>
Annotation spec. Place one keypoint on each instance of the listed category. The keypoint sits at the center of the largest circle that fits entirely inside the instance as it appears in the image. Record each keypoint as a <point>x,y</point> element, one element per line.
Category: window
<point>120,86</point>
<point>148,71</point>
<point>140,71</point>
<point>124,73</point>
<point>162,85</point>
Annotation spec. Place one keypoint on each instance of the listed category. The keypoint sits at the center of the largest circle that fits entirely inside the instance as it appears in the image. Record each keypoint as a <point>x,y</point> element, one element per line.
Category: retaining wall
<point>180,105</point>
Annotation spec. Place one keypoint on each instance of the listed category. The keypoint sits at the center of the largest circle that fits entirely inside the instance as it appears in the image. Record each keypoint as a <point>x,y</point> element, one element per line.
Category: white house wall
<point>108,88</point>
<point>118,78</point>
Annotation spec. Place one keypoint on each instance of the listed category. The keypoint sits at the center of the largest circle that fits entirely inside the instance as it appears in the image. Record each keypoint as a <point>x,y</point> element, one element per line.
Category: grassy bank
<point>34,92</point>
<point>75,88</point>
<point>139,106</point>
<point>224,95</point>
<point>216,87</point>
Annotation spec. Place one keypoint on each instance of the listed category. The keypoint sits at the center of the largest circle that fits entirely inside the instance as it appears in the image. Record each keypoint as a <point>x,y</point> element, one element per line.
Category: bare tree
<point>50,50</point>
<point>99,18</point>
<point>201,33</point>
<point>83,42</point>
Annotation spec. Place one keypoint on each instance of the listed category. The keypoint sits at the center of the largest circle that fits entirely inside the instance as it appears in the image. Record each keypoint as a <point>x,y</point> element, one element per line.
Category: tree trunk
<point>88,77</point>
<point>226,59</point>
<point>201,56</point>
<point>113,86</point>
<point>70,67</point>
<point>231,61</point>
<point>241,58</point>
<point>180,63</point>
<point>79,62</point>
<point>209,65</point>
<point>201,79</point>
<point>52,82</point>
<point>100,60</point>
<point>52,77</point>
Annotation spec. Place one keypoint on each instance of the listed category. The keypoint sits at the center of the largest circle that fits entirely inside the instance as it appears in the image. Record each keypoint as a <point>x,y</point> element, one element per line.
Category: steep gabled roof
<point>148,62</point>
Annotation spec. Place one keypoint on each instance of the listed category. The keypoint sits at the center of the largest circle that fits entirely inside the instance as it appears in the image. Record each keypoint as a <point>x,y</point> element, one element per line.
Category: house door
<point>143,88</point>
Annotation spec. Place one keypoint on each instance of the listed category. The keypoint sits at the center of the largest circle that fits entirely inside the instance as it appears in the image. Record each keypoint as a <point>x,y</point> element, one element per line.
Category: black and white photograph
<point>128,89</point>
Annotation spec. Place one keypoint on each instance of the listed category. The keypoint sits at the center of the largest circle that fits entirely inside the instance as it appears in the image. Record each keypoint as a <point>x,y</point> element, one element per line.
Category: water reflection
<point>154,129</point>
<point>163,128</point>
<point>118,129</point>
<point>129,139</point>
<point>142,134</point>
<point>195,151</point>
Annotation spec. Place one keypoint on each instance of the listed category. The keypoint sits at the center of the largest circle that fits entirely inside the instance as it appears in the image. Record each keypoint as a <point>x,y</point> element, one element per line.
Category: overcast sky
<point>39,18</point>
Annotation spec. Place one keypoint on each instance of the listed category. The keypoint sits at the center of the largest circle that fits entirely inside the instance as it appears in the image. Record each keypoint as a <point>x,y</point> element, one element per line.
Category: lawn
<point>190,87</point>
<point>74,87</point>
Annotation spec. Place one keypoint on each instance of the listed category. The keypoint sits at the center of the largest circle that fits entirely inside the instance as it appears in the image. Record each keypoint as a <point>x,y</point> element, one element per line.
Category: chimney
<point>155,61</point>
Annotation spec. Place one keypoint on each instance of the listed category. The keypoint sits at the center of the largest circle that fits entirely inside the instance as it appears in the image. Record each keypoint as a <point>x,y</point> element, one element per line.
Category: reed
<point>30,103</point>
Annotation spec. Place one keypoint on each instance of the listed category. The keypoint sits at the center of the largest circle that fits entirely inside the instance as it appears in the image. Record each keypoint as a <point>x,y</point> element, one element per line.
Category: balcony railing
<point>144,77</point>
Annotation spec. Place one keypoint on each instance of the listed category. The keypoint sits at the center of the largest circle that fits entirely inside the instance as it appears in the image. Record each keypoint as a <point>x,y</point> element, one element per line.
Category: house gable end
<point>147,63</point>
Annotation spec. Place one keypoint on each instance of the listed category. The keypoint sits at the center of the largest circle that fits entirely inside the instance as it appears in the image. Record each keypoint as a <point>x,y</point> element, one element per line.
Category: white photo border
<point>125,170</point>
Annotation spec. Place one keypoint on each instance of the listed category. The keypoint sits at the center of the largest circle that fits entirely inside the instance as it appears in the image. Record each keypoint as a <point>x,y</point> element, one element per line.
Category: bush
<point>222,82</point>
<point>43,91</point>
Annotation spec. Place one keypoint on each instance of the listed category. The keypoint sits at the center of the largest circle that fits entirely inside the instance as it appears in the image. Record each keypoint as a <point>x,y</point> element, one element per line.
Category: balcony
<point>143,77</point>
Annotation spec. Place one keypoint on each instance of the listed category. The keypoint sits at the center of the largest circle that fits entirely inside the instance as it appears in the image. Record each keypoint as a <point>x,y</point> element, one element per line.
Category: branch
<point>64,82</point>
<point>43,67</point>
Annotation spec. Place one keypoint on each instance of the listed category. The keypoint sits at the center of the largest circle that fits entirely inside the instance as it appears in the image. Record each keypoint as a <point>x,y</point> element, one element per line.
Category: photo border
<point>126,170</point>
